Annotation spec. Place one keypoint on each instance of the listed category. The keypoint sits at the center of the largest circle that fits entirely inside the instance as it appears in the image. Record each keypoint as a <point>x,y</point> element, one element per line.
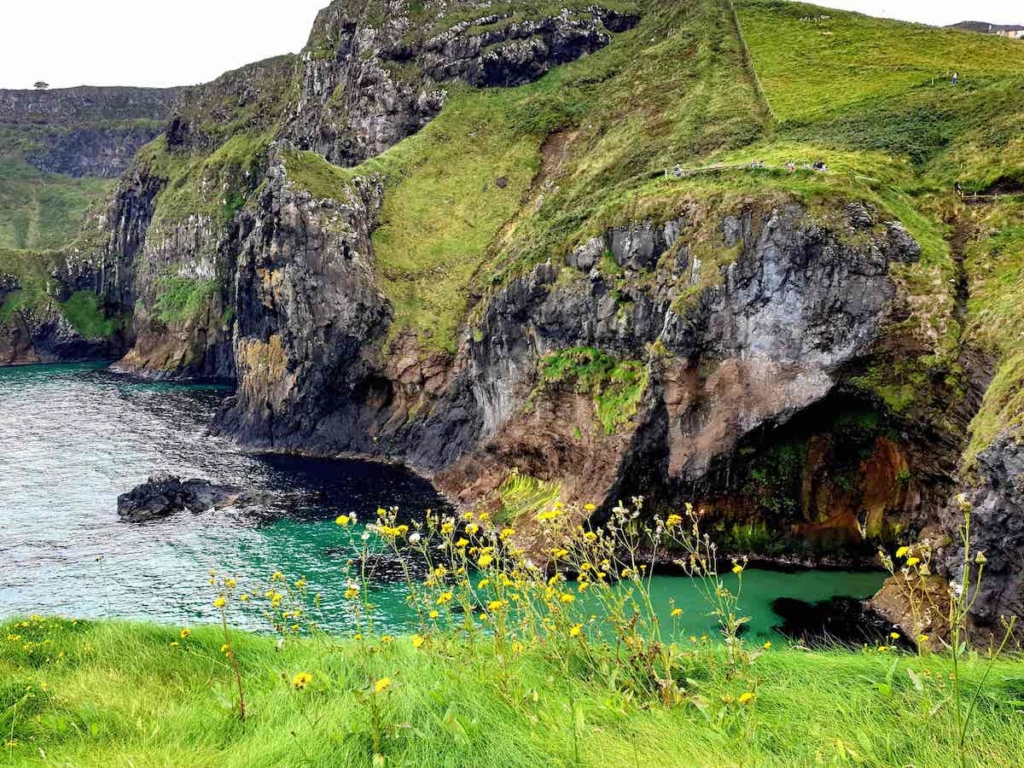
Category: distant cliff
<point>86,131</point>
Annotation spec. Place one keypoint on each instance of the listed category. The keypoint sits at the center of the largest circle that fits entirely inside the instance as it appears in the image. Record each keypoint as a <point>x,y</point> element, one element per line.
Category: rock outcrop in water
<point>167,494</point>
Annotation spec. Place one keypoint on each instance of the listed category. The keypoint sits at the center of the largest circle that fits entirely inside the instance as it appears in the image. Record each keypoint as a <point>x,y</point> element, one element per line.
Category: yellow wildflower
<point>382,685</point>
<point>461,543</point>
<point>575,630</point>
<point>768,645</point>
<point>913,561</point>
<point>219,602</point>
<point>485,560</point>
<point>444,598</point>
<point>677,612</point>
<point>472,529</point>
<point>894,635</point>
<point>902,551</point>
<point>737,568</point>
<point>433,614</point>
<point>343,520</point>
<point>301,680</point>
<point>746,697</point>
<point>568,597</point>
<point>673,521</point>
<point>185,633</point>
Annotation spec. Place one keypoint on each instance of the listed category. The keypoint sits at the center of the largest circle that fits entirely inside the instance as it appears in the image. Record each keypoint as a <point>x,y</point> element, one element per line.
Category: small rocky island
<point>165,495</point>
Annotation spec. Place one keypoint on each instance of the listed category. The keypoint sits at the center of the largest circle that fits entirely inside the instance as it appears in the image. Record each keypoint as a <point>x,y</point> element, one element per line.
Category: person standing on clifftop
<point>956,76</point>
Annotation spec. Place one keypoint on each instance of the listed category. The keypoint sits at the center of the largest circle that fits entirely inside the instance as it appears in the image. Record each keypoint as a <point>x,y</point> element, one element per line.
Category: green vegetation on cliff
<point>32,272</point>
<point>615,385</point>
<point>505,178</point>
<point>180,299</point>
<point>213,184</point>
<point>875,99</point>
<point>995,265</point>
<point>37,288</point>
<point>84,311</point>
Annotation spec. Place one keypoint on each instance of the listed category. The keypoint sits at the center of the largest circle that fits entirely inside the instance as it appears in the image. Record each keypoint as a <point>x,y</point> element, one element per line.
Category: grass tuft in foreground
<point>114,694</point>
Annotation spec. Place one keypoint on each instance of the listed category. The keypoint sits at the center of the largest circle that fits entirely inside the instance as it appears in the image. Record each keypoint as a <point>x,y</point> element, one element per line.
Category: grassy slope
<point>873,97</point>
<point>870,96</point>
<point>995,263</point>
<point>43,210</point>
<point>119,694</point>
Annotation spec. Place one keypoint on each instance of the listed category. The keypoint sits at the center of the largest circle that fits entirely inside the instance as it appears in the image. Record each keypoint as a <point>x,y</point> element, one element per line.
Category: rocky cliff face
<point>178,230</point>
<point>643,360</point>
<point>997,531</point>
<point>49,312</point>
<point>695,369</point>
<point>714,366</point>
<point>370,79</point>
<point>86,131</point>
<point>90,134</point>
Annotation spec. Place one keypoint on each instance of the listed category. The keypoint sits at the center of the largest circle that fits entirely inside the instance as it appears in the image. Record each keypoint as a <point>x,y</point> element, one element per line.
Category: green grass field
<point>112,694</point>
<point>41,210</point>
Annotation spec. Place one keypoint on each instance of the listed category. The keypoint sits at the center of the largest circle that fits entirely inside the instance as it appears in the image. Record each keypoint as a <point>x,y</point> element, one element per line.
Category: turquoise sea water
<point>74,437</point>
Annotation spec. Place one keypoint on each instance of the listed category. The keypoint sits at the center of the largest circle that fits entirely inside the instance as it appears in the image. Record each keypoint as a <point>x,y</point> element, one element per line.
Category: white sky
<point>180,42</point>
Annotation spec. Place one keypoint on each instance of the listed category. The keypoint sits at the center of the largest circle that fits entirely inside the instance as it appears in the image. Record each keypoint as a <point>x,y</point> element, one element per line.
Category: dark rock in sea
<point>839,621</point>
<point>164,495</point>
<point>383,567</point>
